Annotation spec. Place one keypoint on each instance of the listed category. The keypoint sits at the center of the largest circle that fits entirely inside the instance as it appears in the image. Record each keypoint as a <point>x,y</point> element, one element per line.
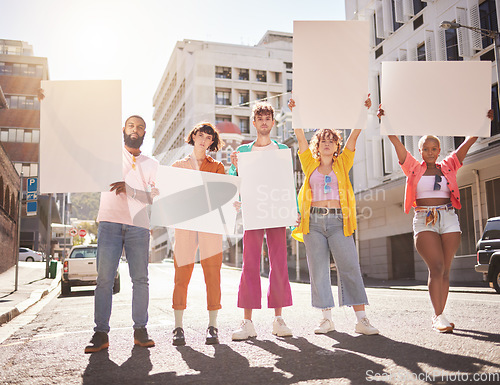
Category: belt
<point>325,210</point>
<point>433,212</point>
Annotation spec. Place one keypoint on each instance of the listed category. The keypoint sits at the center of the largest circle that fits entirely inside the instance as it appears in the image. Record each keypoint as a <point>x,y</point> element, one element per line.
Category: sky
<point>132,40</point>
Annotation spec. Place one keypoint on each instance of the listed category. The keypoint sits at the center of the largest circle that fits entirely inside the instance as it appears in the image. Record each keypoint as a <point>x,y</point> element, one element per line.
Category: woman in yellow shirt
<point>328,220</point>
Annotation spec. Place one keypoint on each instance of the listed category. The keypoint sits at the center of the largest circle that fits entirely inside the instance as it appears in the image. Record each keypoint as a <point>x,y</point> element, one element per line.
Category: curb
<point>35,297</point>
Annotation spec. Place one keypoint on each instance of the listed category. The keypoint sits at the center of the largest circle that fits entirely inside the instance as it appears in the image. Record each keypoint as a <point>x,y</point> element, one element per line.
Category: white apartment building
<point>219,83</point>
<point>409,30</point>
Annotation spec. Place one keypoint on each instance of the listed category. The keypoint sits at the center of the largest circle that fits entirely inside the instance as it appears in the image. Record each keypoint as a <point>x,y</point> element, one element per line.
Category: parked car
<point>80,269</point>
<point>29,255</point>
<point>488,253</point>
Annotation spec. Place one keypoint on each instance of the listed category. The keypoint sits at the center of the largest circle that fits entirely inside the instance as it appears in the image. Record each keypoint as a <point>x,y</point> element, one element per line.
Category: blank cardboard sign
<point>81,136</point>
<point>438,98</point>
<point>330,74</point>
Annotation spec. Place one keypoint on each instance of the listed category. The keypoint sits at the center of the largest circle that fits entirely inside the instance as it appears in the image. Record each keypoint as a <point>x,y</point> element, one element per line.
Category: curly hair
<point>207,128</point>
<point>325,133</point>
<point>262,108</point>
<point>428,137</point>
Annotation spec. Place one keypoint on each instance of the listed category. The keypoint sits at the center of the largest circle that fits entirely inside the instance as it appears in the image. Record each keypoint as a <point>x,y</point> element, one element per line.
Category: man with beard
<point>124,224</point>
<point>279,293</point>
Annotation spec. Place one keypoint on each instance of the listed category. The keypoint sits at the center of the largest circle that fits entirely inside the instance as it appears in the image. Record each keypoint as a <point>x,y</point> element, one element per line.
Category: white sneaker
<point>280,329</point>
<point>246,331</point>
<point>446,321</point>
<point>365,327</point>
<point>441,324</point>
<point>325,326</point>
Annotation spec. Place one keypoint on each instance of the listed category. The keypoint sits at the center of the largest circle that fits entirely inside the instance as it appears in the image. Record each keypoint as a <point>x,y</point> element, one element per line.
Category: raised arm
<point>299,132</point>
<point>351,141</point>
<point>398,146</point>
<point>469,141</point>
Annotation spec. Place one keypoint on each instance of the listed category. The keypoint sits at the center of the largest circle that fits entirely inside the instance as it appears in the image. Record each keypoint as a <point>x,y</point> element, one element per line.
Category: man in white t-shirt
<point>279,293</point>
<point>124,224</point>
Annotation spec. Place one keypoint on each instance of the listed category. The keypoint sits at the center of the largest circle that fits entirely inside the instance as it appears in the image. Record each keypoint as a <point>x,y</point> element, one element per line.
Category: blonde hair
<point>428,137</point>
<point>325,133</point>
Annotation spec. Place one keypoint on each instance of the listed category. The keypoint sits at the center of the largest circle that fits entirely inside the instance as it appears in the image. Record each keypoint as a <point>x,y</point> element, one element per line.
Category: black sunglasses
<point>438,179</point>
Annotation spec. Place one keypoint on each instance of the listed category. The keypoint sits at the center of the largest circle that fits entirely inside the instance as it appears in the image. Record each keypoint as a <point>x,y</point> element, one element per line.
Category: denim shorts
<point>447,221</point>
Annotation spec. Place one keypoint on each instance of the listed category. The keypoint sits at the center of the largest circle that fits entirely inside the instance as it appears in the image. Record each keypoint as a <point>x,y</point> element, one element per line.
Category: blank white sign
<point>330,74</point>
<point>268,196</point>
<point>81,136</point>
<point>436,98</point>
<point>195,200</point>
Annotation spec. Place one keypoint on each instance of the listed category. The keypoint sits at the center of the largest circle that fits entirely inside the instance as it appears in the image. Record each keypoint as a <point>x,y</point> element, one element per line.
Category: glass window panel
<point>16,69</point>
<point>12,134</point>
<point>27,136</point>
<point>19,135</point>
<point>4,136</point>
<point>36,104</point>
<point>21,104</point>
<point>18,167</point>
<point>39,71</point>
<point>29,104</point>
<point>13,101</point>
<point>36,136</point>
<point>26,170</point>
<point>34,169</point>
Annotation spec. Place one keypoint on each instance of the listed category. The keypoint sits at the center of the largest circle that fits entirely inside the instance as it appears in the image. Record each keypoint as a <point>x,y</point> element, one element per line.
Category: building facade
<point>219,83</point>
<point>409,30</point>
<point>20,75</point>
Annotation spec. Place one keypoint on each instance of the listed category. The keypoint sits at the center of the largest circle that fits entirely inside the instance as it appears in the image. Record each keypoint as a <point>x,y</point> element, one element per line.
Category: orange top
<point>209,164</point>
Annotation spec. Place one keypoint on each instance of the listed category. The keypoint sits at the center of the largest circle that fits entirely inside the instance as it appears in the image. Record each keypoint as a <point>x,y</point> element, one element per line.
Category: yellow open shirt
<point>341,167</point>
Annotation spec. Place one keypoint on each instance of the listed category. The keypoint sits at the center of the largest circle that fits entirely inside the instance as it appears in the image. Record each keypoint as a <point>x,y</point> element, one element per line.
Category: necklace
<point>134,159</point>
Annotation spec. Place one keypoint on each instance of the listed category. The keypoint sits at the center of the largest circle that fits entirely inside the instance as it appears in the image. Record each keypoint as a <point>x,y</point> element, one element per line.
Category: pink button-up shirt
<point>414,171</point>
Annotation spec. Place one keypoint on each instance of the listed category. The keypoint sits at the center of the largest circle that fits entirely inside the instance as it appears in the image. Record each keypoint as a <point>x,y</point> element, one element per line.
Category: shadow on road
<point>477,335</point>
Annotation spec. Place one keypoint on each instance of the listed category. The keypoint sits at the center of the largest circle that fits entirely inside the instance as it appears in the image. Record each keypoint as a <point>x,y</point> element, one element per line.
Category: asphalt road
<point>46,345</point>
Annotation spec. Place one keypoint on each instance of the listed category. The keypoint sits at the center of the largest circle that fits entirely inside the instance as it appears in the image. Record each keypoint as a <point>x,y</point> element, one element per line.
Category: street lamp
<point>495,35</point>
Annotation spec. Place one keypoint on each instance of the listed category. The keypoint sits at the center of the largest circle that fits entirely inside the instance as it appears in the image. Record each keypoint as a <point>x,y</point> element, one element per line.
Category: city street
<point>47,342</point>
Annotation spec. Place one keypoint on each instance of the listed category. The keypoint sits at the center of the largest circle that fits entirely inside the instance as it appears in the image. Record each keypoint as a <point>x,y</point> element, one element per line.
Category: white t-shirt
<point>270,146</point>
<point>139,172</point>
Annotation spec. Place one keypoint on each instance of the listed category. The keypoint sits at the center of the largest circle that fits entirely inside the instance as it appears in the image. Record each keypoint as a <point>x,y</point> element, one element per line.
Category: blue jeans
<point>326,233</point>
<point>111,239</point>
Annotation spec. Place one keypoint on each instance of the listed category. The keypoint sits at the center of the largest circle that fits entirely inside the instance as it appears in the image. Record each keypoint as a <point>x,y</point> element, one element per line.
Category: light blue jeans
<point>111,239</point>
<point>326,233</point>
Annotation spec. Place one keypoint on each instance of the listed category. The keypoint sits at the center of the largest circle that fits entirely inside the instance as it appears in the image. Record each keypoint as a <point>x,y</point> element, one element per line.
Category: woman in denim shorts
<point>432,189</point>
<point>328,220</point>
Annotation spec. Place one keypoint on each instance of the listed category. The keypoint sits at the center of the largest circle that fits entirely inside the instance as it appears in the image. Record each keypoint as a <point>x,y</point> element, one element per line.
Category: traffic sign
<point>31,207</point>
<point>73,232</point>
<point>31,196</point>
<point>32,184</point>
<point>82,232</point>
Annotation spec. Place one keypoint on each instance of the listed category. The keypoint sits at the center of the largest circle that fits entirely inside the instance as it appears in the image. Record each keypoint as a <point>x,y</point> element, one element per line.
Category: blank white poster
<point>81,136</point>
<point>436,98</point>
<point>330,74</point>
<point>268,196</point>
<point>195,200</point>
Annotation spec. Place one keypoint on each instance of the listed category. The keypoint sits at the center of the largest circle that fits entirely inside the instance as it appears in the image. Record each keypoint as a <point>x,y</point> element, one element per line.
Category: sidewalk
<point>32,286</point>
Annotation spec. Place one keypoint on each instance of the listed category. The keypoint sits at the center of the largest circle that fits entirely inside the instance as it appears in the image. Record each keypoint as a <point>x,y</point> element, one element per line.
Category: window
<point>244,98</point>
<point>222,118</point>
<point>421,52</point>
<point>495,123</point>
<point>488,19</point>
<point>228,152</point>
<point>22,102</point>
<point>289,67</point>
<point>243,74</point>
<point>19,135</point>
<point>277,77</point>
<point>418,22</point>
<point>18,69</point>
<point>452,45</point>
<point>395,24</point>
<point>379,51</point>
<point>261,96</point>
<point>418,5</point>
<point>261,76</point>
<point>493,197</point>
<point>223,72</point>
<point>466,218</point>
<point>289,87</point>
<point>378,40</point>
<point>245,125</point>
<point>223,97</point>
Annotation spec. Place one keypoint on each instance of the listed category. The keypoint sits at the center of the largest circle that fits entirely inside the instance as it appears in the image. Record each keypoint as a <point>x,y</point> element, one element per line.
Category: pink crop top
<point>432,186</point>
<point>324,187</point>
